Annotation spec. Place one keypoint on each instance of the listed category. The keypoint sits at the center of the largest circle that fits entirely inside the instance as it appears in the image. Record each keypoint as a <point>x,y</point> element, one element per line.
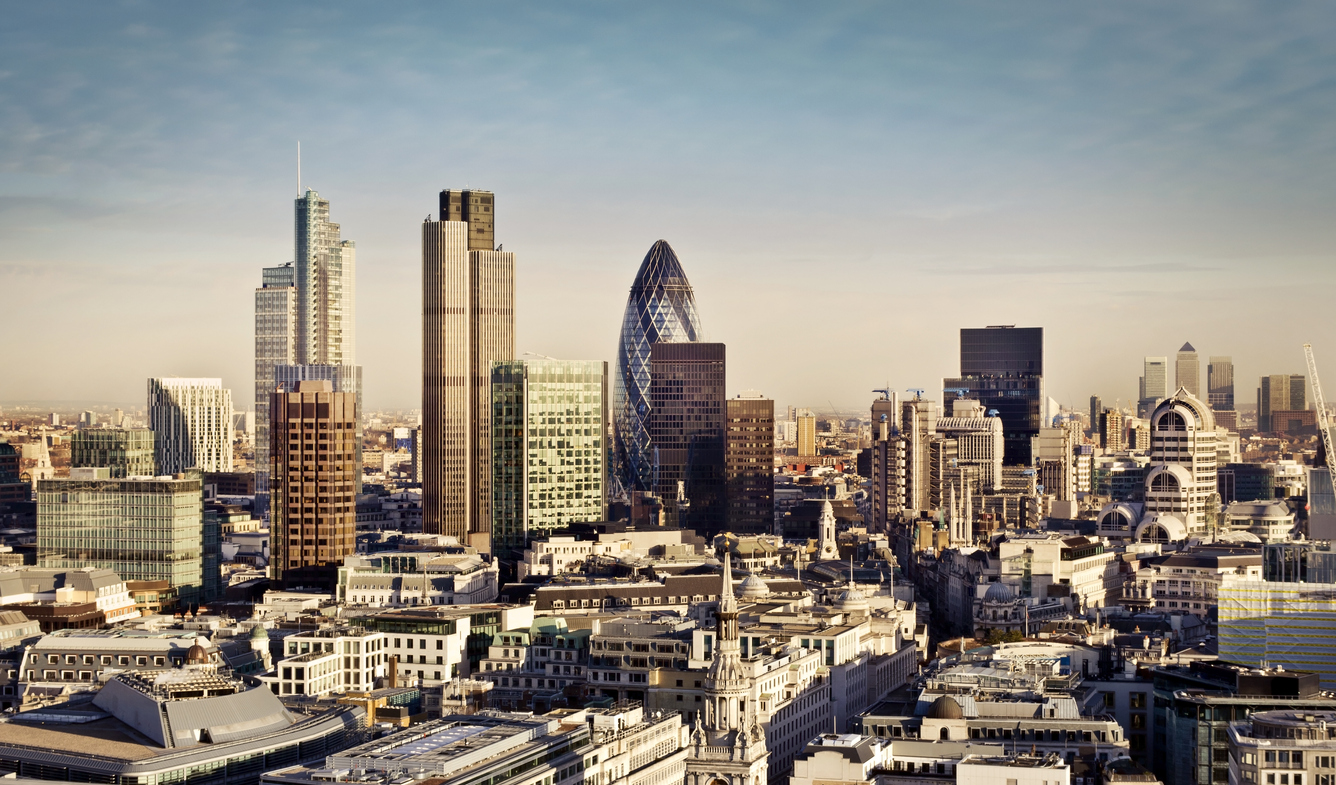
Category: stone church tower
<point>728,744</point>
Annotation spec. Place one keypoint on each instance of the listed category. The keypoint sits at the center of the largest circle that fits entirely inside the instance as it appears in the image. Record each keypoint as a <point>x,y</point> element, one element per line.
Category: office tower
<point>1187,370</point>
<point>275,344</point>
<point>661,308</point>
<point>979,441</point>
<point>325,266</point>
<point>475,208</point>
<point>1220,384</point>
<point>1298,393</point>
<point>1002,367</point>
<point>53,419</point>
<point>13,488</point>
<point>468,322</point>
<point>1112,430</point>
<point>1138,435</point>
<point>549,449</point>
<point>1181,479</point>
<point>1054,452</point>
<point>191,420</point>
<point>1154,384</point>
<point>313,492</point>
<point>118,418</point>
<point>749,464</point>
<point>343,379</point>
<point>918,424</point>
<point>886,469</point>
<point>146,529</point>
<point>806,439</point>
<point>687,431</point>
<point>416,449</point>
<point>1096,408</point>
<point>1279,393</point>
<point>125,452</point>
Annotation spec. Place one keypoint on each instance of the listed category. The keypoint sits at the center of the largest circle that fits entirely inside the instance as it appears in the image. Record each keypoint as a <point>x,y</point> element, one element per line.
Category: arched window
<point>1171,421</point>
<point>1164,482</point>
<point>945,735</point>
<point>1155,533</point>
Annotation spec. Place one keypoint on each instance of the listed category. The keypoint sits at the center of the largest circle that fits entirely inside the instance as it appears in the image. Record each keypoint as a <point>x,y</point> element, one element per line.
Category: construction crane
<point>1323,426</point>
<point>918,392</point>
<point>885,393</point>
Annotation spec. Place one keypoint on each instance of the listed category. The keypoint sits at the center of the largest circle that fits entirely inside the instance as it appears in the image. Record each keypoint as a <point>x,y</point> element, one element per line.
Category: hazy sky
<point>846,184</point>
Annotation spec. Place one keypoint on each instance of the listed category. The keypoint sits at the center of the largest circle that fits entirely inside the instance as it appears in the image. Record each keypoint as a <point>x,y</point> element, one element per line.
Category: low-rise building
<point>73,660</point>
<point>172,725</point>
<point>411,578</point>
<point>541,667</point>
<point>851,759</point>
<point>621,746</point>
<point>1195,705</point>
<point>1188,581</point>
<point>68,599</point>
<point>1283,748</point>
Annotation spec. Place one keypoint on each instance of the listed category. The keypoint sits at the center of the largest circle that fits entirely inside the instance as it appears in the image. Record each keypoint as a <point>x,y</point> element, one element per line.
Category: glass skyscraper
<point>1002,367</point>
<point>660,309</point>
<point>688,432</point>
<point>549,451</point>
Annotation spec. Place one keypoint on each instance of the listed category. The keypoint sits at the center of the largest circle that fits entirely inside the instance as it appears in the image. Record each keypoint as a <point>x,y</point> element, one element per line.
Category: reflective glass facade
<point>1002,368</point>
<point>660,308</point>
<point>126,452</point>
<point>549,420</point>
<point>145,530</point>
<point>688,432</point>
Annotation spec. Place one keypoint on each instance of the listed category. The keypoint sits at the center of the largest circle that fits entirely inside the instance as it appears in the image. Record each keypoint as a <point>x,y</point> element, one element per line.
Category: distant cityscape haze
<point>845,188</point>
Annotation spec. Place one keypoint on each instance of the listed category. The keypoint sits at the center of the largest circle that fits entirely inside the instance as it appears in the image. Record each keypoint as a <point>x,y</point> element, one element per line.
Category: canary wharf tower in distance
<point>660,309</point>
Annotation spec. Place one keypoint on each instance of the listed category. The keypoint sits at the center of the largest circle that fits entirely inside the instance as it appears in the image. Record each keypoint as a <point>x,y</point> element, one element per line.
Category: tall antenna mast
<point>299,167</point>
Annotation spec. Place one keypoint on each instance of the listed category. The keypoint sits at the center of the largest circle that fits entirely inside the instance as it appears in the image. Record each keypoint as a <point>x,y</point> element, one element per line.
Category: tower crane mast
<point>1323,425</point>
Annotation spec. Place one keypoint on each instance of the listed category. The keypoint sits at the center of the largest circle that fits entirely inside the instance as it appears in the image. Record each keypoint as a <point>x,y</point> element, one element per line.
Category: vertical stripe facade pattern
<point>191,420</point>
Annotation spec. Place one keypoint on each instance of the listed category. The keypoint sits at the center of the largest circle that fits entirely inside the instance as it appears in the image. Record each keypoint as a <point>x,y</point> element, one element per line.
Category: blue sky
<point>846,186</point>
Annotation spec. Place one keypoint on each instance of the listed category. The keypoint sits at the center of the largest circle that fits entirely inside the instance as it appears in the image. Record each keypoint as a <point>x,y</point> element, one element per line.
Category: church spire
<point>727,602</point>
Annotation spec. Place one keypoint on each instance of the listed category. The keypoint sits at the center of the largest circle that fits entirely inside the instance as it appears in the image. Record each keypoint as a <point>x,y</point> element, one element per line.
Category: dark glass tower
<point>687,432</point>
<point>749,463</point>
<point>660,309</point>
<point>1003,369</point>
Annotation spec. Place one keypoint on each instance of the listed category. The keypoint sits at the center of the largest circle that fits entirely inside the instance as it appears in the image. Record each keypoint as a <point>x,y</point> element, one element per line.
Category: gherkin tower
<point>660,309</point>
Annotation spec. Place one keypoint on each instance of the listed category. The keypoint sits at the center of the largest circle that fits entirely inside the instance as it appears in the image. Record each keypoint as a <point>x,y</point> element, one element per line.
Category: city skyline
<point>1049,192</point>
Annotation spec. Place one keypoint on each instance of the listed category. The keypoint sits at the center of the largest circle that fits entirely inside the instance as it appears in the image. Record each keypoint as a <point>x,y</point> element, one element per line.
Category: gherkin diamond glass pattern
<point>661,308</point>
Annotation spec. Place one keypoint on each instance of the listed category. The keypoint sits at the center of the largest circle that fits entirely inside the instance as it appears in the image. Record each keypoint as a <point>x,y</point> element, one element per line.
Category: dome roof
<point>197,654</point>
<point>999,592</point>
<point>753,588</point>
<point>945,708</point>
<point>851,599</point>
<point>259,633</point>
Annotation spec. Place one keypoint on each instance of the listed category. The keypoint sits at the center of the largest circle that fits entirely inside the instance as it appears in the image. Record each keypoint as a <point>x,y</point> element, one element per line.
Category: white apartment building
<point>191,420</point>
